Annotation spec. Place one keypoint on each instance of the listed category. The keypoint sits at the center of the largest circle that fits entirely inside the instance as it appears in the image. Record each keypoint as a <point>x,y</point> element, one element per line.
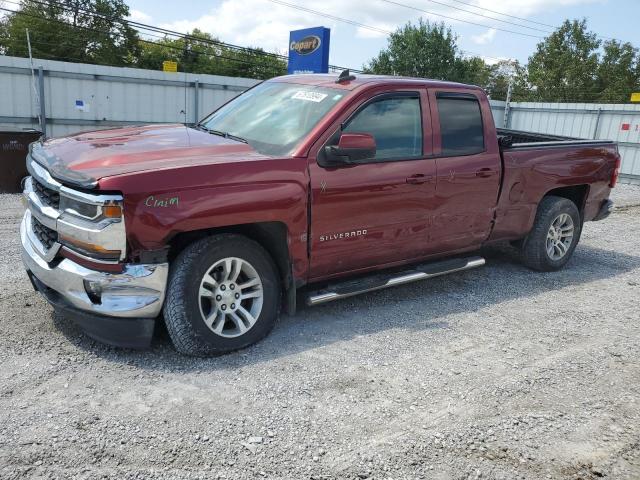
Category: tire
<point>191,297</point>
<point>536,251</point>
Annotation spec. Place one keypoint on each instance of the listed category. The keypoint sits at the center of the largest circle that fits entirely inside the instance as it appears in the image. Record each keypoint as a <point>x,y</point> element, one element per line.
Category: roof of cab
<point>329,80</point>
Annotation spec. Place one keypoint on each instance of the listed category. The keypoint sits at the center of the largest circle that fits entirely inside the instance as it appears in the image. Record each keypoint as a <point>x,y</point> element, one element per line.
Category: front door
<point>375,212</point>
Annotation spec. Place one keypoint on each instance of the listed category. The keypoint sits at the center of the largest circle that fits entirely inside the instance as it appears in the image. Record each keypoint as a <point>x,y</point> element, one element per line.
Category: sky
<point>491,29</point>
<point>266,23</point>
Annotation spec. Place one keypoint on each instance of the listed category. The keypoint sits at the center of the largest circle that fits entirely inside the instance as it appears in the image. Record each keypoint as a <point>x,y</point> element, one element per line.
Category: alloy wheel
<point>560,236</point>
<point>230,297</point>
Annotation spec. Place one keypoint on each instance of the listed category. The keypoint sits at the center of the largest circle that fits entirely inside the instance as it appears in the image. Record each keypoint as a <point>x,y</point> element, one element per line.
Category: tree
<point>96,31</point>
<point>618,73</point>
<point>198,54</point>
<point>507,72</point>
<point>564,66</point>
<point>471,70</point>
<point>91,31</point>
<point>427,50</point>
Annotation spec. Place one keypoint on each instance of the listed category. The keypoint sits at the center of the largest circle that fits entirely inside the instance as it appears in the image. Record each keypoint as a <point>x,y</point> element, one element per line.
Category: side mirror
<point>351,148</point>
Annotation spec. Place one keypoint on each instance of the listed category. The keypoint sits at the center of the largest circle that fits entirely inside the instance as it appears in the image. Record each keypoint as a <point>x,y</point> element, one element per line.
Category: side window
<point>396,125</point>
<point>460,125</point>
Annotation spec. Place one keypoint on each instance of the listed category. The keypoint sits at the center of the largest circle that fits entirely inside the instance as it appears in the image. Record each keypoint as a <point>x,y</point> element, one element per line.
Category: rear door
<point>468,169</point>
<point>374,212</point>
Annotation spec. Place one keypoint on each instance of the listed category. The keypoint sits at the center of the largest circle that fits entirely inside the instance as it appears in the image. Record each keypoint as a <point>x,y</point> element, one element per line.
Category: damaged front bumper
<point>114,308</point>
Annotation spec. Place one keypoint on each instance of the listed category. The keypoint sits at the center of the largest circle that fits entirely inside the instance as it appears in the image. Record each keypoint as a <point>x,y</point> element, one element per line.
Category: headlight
<point>92,225</point>
<point>90,211</point>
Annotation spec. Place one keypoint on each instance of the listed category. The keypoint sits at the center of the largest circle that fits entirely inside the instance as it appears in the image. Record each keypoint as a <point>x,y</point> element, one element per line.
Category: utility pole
<point>33,77</point>
<point>507,106</point>
<point>37,92</point>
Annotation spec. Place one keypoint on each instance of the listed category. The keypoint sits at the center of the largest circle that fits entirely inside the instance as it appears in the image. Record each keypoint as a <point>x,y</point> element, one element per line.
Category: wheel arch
<point>533,247</point>
<point>576,193</point>
<point>272,236</point>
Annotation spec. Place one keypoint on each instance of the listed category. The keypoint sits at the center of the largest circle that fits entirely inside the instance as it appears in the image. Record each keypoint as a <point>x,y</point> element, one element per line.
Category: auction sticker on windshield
<point>310,96</point>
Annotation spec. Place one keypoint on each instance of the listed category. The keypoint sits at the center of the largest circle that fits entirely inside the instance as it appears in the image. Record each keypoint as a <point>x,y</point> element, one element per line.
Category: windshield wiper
<point>221,134</point>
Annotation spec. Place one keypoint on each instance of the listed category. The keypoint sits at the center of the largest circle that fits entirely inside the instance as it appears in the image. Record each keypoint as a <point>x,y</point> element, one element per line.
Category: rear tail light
<point>616,172</point>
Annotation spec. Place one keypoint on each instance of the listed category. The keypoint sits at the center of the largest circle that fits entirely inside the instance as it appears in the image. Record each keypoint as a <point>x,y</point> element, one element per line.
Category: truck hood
<point>84,158</point>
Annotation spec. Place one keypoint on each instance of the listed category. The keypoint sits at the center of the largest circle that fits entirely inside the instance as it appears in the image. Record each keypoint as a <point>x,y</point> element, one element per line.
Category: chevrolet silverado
<point>340,185</point>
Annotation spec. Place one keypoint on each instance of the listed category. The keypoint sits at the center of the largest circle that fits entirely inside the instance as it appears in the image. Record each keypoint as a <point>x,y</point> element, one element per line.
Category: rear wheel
<point>555,234</point>
<point>223,294</point>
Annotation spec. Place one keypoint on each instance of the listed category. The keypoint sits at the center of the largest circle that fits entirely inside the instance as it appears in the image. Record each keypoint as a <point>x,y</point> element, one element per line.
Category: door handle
<point>484,172</point>
<point>419,178</point>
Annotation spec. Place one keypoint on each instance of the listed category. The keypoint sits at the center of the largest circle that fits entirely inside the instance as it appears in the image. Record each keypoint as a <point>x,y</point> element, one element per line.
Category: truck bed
<point>519,139</point>
<point>533,164</point>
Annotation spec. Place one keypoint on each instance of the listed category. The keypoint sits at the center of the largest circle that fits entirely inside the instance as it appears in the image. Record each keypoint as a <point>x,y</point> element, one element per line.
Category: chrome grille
<point>44,198</point>
<point>46,235</point>
<point>48,196</point>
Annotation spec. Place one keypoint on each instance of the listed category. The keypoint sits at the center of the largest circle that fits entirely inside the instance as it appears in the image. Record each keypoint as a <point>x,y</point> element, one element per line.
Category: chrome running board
<point>349,288</point>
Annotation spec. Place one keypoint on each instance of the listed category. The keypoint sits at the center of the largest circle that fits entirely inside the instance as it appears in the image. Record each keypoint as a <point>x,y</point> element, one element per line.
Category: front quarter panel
<point>161,204</point>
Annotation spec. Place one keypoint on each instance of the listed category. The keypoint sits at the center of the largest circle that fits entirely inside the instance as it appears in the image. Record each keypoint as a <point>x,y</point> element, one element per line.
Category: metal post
<point>595,130</point>
<point>507,106</point>
<point>195,102</point>
<point>43,117</point>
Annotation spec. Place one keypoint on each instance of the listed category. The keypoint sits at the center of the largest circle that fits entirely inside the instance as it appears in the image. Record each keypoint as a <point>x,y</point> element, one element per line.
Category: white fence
<point>83,97</point>
<point>583,120</point>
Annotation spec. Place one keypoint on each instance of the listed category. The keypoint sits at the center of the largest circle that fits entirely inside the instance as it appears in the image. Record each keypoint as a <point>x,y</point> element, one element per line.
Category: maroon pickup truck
<point>341,185</point>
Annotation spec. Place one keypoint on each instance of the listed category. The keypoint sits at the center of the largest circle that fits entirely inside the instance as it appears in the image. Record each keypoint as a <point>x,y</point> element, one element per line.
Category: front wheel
<point>555,234</point>
<point>223,294</point>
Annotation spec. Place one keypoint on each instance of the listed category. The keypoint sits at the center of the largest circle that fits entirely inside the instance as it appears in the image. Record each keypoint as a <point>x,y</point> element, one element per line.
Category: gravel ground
<point>496,373</point>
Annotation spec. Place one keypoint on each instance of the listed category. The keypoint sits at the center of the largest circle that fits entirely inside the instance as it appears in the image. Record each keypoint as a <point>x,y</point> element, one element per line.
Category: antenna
<point>345,76</point>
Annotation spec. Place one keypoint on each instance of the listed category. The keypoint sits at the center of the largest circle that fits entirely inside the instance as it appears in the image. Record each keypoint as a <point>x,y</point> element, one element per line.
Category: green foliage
<point>618,72</point>
<point>565,63</point>
<point>472,70</point>
<point>427,50</point>
<point>199,55</point>
<point>96,31</point>
<point>570,66</point>
<point>65,31</point>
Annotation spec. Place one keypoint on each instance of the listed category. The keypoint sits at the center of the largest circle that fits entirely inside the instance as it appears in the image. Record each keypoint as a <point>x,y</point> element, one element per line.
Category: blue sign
<point>309,50</point>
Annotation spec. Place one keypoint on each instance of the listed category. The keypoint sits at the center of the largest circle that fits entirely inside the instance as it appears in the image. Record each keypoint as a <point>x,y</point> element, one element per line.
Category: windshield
<point>273,117</point>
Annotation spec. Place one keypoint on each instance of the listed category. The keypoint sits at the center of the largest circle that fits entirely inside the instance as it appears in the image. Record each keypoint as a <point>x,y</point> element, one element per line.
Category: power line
<point>172,47</point>
<point>555,27</point>
<point>153,28</point>
<point>333,17</point>
<point>363,25</point>
<point>166,32</point>
<point>487,16</point>
<point>393,2</point>
<point>382,30</point>
<point>503,14</point>
<point>460,20</point>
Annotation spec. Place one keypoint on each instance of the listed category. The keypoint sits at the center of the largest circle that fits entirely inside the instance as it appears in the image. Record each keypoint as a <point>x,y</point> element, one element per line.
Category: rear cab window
<point>461,126</point>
